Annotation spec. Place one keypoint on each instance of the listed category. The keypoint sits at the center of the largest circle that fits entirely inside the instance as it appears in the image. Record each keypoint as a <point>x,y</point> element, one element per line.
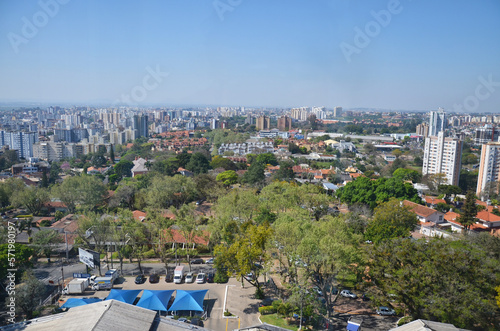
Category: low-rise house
<point>139,167</point>
<point>425,214</point>
<point>433,201</point>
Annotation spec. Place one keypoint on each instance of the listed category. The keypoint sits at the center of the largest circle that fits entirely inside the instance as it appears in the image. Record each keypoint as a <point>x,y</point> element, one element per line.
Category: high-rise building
<point>423,130</point>
<point>337,112</point>
<point>263,123</point>
<point>486,134</point>
<point>437,122</point>
<point>284,123</point>
<point>140,123</point>
<point>443,155</point>
<point>20,141</point>
<point>489,168</point>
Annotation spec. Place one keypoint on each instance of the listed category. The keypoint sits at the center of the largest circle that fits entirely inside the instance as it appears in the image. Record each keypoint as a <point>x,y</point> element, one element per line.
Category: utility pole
<point>66,239</point>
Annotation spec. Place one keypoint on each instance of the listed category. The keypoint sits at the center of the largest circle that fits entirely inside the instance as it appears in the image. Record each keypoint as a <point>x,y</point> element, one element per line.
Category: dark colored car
<point>210,277</point>
<point>140,279</point>
<point>154,278</point>
<point>197,261</point>
<point>169,278</point>
<point>196,321</point>
<point>266,302</point>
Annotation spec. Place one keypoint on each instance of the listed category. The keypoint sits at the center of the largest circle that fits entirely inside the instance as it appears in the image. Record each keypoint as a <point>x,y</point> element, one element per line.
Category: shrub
<point>220,277</point>
<point>150,254</point>
<point>404,320</point>
<point>259,294</point>
<point>267,310</point>
<point>45,223</point>
<point>227,313</point>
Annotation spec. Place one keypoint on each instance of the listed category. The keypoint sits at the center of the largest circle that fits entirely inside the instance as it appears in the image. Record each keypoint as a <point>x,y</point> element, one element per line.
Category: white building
<point>489,167</point>
<point>443,155</point>
<point>437,122</point>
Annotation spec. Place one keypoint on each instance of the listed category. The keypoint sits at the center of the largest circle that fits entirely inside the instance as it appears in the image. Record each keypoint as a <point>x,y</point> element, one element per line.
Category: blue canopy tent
<point>75,302</point>
<point>189,300</point>
<point>155,300</point>
<point>127,296</point>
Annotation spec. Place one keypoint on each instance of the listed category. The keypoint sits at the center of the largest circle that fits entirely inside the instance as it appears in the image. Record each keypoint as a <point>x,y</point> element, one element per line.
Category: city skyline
<point>398,55</point>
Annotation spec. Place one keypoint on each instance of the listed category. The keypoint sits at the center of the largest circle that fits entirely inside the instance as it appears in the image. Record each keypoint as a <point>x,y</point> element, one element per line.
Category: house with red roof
<point>425,214</point>
<point>433,201</point>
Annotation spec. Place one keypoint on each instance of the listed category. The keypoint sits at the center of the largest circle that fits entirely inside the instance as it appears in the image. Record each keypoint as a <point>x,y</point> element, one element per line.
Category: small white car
<point>190,277</point>
<point>348,294</point>
<point>200,279</point>
<point>385,311</point>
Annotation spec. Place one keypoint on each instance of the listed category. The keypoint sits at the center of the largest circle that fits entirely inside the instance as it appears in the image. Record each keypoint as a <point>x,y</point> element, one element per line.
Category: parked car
<point>154,278</point>
<point>386,311</point>
<point>210,261</point>
<point>140,279</point>
<point>197,261</point>
<point>210,277</point>
<point>169,277</point>
<point>183,319</point>
<point>189,277</point>
<point>196,321</point>
<point>250,276</point>
<point>318,291</point>
<point>348,294</point>
<point>200,278</point>
<point>266,302</point>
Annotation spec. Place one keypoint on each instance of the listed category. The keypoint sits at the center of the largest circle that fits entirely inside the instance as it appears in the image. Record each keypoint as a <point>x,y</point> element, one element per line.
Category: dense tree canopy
<point>372,192</point>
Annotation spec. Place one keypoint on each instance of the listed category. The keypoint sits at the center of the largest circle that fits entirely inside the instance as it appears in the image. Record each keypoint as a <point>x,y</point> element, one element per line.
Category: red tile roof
<point>487,216</point>
<point>434,200</point>
<point>139,215</point>
<point>420,210</point>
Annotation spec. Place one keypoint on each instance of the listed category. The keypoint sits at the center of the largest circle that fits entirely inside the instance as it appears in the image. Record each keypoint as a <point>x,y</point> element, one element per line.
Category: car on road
<point>154,278</point>
<point>348,294</point>
<point>197,261</point>
<point>250,276</point>
<point>210,277</point>
<point>210,261</point>
<point>189,277</point>
<point>266,302</point>
<point>317,290</point>
<point>169,277</point>
<point>386,311</point>
<point>183,319</point>
<point>140,279</point>
<point>200,278</point>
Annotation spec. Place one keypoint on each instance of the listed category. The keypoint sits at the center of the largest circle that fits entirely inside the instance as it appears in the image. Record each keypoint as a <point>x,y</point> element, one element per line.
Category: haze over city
<point>400,55</point>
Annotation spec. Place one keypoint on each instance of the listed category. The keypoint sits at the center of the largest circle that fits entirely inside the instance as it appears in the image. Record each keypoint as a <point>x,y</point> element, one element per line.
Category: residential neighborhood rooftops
<point>420,210</point>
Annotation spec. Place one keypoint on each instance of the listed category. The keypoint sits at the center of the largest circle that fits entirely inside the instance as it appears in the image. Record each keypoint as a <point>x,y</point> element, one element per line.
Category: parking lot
<point>240,301</point>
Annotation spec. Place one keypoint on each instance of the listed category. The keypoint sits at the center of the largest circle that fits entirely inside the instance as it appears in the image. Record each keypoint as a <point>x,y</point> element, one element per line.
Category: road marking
<point>227,320</point>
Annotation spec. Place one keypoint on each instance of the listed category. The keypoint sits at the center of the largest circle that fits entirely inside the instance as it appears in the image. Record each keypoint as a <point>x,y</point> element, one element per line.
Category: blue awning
<point>189,300</point>
<point>155,300</point>
<point>127,296</point>
<point>75,302</point>
<point>353,326</point>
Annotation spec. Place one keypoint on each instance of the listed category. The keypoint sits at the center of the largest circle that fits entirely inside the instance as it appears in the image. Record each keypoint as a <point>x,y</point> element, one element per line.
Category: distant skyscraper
<point>489,168</point>
<point>20,141</point>
<point>263,123</point>
<point>284,123</point>
<point>423,130</point>
<point>437,122</point>
<point>443,156</point>
<point>486,134</point>
<point>140,123</point>
<point>337,112</point>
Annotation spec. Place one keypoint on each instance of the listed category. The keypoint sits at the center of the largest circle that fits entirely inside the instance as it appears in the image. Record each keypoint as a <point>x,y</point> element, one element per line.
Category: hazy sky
<point>418,54</point>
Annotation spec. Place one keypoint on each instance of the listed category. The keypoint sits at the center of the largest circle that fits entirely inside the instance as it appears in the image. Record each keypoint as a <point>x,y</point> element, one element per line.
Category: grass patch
<point>274,319</point>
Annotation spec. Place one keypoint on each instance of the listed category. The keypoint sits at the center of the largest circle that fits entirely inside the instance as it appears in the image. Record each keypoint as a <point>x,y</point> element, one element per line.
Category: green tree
<point>437,279</point>
<point>86,191</point>
<point>112,154</point>
<point>267,158</point>
<point>255,174</point>
<point>228,177</point>
<point>285,172</point>
<point>31,198</point>
<point>222,162</point>
<point>44,242</point>
<point>391,220</point>
<point>122,168</point>
<point>21,261</point>
<point>187,221</point>
<point>167,191</point>
<point>407,174</point>
<point>198,163</point>
<point>469,211</point>
<point>29,294</point>
<point>44,183</point>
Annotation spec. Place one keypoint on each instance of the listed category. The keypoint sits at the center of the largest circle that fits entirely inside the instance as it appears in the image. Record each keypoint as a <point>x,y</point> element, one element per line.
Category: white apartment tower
<point>443,155</point>
<point>489,167</point>
<point>437,122</point>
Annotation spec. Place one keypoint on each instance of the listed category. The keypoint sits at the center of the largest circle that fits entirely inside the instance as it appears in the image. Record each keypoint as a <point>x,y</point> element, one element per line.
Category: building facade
<point>284,123</point>
<point>489,169</point>
<point>443,155</point>
<point>263,123</point>
<point>437,122</point>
